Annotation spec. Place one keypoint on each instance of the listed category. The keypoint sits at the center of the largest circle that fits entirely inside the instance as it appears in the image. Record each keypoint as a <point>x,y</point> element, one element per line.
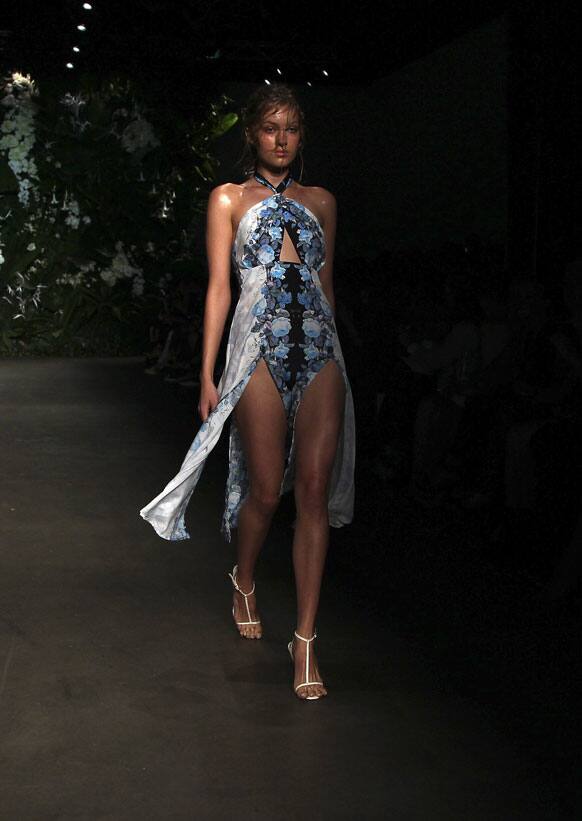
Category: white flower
<point>71,279</point>
<point>18,136</point>
<point>23,81</point>
<point>137,286</point>
<point>121,268</point>
<point>109,277</point>
<point>8,141</point>
<point>138,135</point>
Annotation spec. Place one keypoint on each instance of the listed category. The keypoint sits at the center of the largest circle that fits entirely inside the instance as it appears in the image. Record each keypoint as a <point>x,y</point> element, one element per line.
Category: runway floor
<point>126,692</point>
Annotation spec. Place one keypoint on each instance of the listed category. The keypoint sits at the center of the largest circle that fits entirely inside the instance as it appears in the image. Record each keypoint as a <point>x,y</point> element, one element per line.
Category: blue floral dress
<point>283,316</point>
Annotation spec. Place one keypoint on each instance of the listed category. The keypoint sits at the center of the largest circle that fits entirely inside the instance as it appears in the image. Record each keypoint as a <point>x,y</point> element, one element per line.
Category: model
<point>284,379</point>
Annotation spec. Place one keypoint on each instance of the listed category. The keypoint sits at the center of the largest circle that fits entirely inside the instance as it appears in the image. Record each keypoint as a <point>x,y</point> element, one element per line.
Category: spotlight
<point>87,6</point>
<point>76,48</point>
<point>81,27</point>
<point>325,72</point>
<point>70,65</point>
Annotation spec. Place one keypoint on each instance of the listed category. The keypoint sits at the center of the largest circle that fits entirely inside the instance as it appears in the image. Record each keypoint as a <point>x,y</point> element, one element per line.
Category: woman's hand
<point>209,398</point>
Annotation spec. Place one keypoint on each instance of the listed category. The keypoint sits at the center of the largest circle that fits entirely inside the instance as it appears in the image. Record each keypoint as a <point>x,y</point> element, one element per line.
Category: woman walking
<point>284,380</point>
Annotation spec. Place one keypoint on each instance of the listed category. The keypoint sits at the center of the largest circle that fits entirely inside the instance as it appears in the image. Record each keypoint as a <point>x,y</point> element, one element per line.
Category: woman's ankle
<point>305,631</point>
<point>245,582</point>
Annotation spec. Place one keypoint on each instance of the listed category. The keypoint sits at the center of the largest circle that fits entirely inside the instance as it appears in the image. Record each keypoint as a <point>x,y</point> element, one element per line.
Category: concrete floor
<point>125,690</point>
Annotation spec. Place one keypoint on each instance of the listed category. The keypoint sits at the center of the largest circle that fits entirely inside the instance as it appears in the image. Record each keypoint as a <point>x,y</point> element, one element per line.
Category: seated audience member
<point>418,324</point>
<point>462,363</point>
<point>543,452</point>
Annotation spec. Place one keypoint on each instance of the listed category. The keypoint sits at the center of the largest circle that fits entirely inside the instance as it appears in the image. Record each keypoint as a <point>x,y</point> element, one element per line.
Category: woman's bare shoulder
<point>226,199</point>
<point>321,201</point>
<point>224,193</point>
<point>318,194</point>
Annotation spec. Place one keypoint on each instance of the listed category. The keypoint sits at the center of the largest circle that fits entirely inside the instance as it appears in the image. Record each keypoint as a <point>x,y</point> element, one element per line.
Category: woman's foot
<point>311,691</point>
<point>241,614</point>
<point>244,607</point>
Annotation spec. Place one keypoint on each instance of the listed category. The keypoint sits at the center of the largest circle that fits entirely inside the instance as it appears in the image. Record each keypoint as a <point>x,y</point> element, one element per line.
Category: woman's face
<point>278,139</point>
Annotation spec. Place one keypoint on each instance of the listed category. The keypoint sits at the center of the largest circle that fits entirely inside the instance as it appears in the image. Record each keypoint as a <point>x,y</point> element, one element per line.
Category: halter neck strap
<point>282,185</point>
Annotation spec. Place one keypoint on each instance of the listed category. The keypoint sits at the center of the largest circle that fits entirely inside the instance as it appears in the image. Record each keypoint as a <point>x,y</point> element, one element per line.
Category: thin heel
<point>307,682</point>
<point>233,578</point>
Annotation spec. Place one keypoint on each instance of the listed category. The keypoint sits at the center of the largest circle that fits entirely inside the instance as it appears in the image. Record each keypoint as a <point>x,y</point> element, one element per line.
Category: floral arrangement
<point>102,193</point>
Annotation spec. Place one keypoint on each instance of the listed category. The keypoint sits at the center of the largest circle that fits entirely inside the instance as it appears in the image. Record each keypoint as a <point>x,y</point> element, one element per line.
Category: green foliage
<point>100,204</point>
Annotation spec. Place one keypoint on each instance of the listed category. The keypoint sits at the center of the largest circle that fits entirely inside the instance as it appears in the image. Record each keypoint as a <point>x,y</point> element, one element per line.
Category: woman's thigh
<point>262,424</point>
<point>317,428</point>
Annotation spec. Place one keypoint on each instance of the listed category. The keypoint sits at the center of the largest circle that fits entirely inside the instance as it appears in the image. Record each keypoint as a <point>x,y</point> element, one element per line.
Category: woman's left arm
<point>328,207</point>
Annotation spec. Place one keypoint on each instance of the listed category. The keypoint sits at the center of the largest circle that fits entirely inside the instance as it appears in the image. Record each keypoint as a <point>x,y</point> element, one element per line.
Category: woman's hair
<point>264,99</point>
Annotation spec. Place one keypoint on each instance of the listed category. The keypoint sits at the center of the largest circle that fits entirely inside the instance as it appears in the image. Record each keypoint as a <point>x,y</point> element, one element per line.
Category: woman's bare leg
<point>260,418</point>
<point>317,428</point>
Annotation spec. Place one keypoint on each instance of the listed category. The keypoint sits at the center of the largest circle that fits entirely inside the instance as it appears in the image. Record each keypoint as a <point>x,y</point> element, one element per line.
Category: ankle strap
<point>235,583</point>
<point>307,640</point>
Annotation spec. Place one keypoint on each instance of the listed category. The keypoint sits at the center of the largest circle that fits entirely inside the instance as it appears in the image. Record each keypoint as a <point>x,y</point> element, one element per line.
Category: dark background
<point>435,119</point>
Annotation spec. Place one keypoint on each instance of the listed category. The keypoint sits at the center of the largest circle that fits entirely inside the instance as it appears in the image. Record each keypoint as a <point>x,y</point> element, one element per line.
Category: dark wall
<point>414,158</point>
<point>544,102</point>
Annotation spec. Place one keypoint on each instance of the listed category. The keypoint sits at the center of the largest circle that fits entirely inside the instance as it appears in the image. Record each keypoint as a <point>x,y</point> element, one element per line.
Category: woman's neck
<point>273,175</point>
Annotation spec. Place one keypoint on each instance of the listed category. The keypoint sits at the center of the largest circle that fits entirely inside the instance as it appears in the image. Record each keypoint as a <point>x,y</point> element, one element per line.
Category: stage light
<point>76,48</point>
<point>268,82</point>
<point>279,71</point>
<point>81,27</point>
<point>70,65</point>
<point>87,6</point>
<point>325,72</point>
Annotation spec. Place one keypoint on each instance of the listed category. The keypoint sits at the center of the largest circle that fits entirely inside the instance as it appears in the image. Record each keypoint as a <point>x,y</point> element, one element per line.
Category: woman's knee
<point>311,492</point>
<point>265,497</point>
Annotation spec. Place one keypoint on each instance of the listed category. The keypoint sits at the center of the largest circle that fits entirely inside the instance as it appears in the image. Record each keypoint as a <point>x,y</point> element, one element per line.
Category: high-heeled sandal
<point>236,587</point>
<point>305,683</point>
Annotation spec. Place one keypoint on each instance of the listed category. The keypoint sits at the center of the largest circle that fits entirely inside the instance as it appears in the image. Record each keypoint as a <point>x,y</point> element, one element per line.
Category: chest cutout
<point>288,250</point>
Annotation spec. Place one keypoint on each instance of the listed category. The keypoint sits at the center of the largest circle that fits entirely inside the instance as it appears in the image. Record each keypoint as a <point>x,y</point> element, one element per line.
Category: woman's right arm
<point>219,237</point>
